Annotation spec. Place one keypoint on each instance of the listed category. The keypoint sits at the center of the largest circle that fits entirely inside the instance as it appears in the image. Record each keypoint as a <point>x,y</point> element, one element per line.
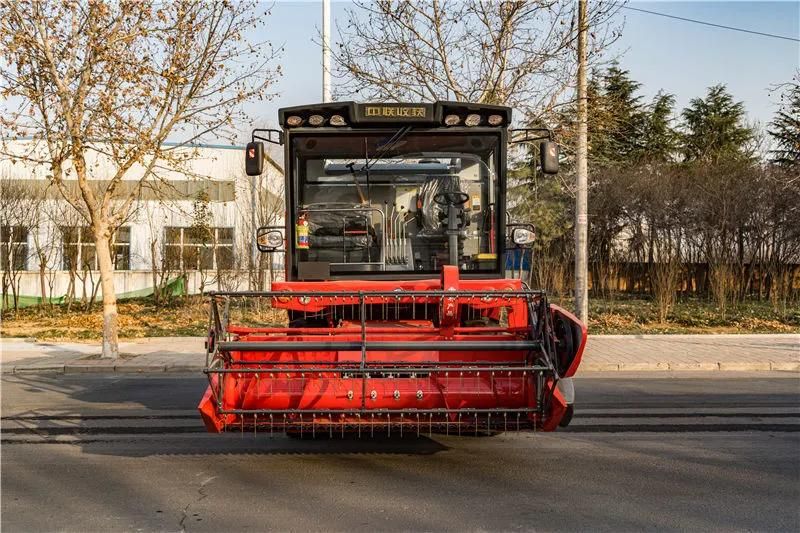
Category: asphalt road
<point>100,453</point>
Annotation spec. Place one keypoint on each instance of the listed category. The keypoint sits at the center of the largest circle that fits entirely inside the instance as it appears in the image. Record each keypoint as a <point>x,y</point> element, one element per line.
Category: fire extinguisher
<point>301,232</point>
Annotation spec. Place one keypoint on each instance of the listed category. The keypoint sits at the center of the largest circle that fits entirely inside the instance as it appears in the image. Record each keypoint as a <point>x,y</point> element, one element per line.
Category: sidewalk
<point>604,353</point>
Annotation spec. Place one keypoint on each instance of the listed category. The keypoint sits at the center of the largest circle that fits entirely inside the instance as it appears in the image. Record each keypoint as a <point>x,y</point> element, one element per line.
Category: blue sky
<point>677,56</point>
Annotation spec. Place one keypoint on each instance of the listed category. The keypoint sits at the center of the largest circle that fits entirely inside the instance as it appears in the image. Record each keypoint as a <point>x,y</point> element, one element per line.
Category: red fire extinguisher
<point>301,232</point>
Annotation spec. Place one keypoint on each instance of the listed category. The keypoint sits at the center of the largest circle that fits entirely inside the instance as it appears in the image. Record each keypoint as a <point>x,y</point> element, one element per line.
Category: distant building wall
<point>215,183</point>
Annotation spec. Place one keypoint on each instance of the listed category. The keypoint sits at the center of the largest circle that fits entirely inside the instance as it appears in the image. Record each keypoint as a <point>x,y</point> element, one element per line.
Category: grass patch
<point>184,317</point>
<point>691,315</point>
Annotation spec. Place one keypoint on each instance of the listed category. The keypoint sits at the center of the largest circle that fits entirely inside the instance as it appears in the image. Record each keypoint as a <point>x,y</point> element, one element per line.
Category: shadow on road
<point>137,416</point>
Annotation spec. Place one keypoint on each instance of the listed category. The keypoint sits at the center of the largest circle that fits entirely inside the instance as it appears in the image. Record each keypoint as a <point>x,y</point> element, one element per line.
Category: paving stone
<point>745,366</point>
<point>40,368</point>
<point>89,365</point>
<point>693,365</point>
<point>133,366</point>
<point>785,366</point>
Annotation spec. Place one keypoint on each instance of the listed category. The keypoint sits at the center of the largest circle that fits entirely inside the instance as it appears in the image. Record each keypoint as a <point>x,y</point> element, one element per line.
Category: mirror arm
<point>530,135</point>
<point>269,138</point>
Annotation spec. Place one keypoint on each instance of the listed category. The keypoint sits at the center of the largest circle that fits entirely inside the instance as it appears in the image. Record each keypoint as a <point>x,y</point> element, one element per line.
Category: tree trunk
<point>110,324</point>
<point>154,268</point>
<point>42,280</point>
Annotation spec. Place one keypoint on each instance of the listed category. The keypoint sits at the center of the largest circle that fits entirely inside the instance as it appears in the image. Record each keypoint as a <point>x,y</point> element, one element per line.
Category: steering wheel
<point>451,198</point>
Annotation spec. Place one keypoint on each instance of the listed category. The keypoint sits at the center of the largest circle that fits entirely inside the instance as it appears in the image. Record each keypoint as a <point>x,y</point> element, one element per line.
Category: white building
<point>192,229</point>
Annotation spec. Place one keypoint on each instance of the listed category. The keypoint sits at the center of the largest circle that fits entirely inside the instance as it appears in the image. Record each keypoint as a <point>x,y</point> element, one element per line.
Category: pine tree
<point>659,141</point>
<point>715,128</point>
<point>785,128</point>
<point>617,119</point>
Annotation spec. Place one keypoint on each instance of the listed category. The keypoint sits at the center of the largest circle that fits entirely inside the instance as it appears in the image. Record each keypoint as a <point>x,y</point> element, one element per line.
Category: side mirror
<point>269,239</point>
<point>254,158</point>
<point>548,152</point>
<point>522,235</point>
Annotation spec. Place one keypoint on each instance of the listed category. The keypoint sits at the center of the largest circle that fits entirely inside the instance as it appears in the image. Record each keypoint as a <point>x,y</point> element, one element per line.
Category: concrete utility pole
<point>581,198</point>
<point>326,50</point>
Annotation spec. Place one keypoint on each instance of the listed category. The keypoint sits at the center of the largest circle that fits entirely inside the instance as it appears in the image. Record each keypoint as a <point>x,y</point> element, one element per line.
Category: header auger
<point>399,316</point>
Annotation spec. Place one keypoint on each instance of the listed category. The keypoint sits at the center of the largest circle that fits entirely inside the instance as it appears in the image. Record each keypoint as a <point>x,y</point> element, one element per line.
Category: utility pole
<point>581,198</point>
<point>326,50</point>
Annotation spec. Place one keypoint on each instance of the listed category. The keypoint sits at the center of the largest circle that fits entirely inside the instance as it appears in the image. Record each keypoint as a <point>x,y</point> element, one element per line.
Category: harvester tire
<point>567,418</point>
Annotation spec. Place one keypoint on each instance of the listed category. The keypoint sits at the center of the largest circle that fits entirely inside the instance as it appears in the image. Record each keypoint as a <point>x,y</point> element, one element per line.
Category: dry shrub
<point>664,277</point>
<point>722,283</point>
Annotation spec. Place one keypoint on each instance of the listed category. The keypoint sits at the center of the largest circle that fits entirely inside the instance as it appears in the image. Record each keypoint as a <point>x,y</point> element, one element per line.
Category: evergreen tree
<point>785,128</point>
<point>659,141</point>
<point>715,128</point>
<point>616,119</point>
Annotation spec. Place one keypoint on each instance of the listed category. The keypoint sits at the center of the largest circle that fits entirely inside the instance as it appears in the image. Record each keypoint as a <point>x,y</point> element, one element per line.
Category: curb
<point>131,367</point>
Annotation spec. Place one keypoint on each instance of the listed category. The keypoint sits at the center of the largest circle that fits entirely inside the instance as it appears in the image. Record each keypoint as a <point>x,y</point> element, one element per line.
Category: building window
<point>80,252</point>
<point>13,248</point>
<point>198,248</point>
<point>121,248</point>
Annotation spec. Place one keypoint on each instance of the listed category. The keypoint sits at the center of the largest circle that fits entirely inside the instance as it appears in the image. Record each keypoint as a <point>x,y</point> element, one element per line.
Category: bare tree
<point>19,215</point>
<point>44,249</point>
<point>100,85</point>
<point>269,208</point>
<point>517,53</point>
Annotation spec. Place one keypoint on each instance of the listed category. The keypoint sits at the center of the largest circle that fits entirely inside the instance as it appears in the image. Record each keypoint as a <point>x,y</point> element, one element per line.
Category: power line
<point>795,39</point>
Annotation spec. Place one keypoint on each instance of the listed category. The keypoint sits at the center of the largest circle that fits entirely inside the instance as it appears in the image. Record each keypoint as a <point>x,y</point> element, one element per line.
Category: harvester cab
<point>398,315</point>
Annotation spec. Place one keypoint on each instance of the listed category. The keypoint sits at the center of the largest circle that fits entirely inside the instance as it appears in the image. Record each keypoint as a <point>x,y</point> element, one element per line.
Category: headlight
<point>294,121</point>
<point>274,239</point>
<point>269,240</point>
<point>316,120</point>
<point>522,236</point>
<point>472,119</point>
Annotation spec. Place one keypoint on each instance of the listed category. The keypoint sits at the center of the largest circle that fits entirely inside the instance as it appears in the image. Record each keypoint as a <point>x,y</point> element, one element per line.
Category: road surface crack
<point>201,495</point>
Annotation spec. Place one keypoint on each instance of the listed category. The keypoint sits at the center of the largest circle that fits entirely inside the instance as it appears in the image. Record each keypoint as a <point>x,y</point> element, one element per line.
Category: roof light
<point>316,120</point>
<point>472,119</point>
<point>294,120</point>
<point>337,120</point>
<point>452,120</point>
<point>495,120</point>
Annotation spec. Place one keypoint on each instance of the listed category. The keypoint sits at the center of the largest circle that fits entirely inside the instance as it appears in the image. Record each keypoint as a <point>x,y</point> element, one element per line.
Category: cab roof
<point>391,114</point>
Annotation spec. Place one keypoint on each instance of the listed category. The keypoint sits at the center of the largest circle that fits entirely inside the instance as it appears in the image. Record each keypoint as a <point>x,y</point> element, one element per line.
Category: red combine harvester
<point>400,316</point>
